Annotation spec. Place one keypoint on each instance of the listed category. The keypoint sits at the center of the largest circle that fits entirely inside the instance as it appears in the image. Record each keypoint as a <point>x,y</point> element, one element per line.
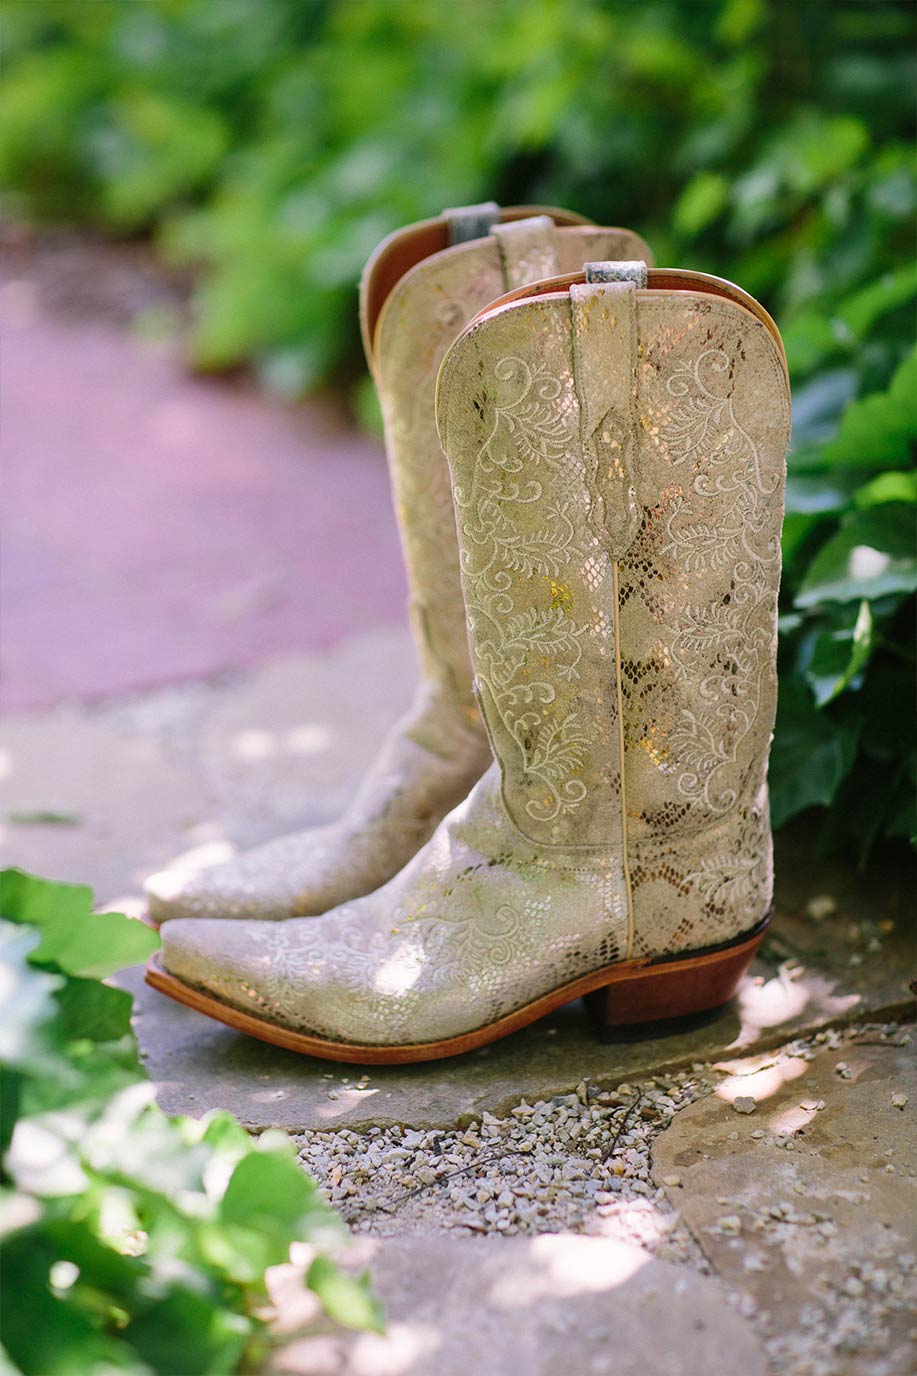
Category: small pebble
<point>821,906</point>
<point>899,1100</point>
<point>744,1103</point>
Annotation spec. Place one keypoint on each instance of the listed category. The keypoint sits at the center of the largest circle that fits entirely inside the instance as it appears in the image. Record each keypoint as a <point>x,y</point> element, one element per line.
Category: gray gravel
<point>577,1162</point>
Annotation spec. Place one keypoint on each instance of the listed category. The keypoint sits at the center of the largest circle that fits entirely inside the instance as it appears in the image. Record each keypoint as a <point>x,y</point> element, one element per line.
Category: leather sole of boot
<point>661,992</point>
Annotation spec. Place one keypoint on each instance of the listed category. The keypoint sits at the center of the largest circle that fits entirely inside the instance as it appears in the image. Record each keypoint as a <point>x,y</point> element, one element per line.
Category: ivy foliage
<point>132,1242</point>
<point>272,143</point>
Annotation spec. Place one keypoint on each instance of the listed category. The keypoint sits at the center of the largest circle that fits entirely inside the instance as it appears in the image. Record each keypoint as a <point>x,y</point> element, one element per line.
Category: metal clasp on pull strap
<point>626,270</point>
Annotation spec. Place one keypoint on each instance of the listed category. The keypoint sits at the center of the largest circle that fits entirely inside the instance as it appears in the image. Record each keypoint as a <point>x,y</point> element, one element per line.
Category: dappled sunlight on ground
<point>346,1099</point>
<point>563,1265</point>
<point>779,1001</point>
<point>256,744</point>
<point>761,1084</point>
<point>791,1120</point>
<point>310,1345</point>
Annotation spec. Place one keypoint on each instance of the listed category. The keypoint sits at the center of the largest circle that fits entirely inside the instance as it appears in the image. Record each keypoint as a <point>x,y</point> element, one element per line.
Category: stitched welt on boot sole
<point>634,991</point>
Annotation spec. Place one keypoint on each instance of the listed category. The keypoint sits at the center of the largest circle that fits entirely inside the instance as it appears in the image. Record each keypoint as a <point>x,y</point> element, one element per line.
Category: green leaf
<point>860,311</point>
<point>39,902</point>
<point>270,1196</point>
<point>814,337</point>
<point>28,1002</point>
<point>46,1334</point>
<point>700,202</point>
<point>810,756</point>
<point>97,1011</point>
<point>44,817</point>
<point>817,405</point>
<point>880,430</point>
<point>870,556</point>
<point>840,653</point>
<point>74,1240</point>
<point>817,494</point>
<point>888,487</point>
<point>810,340</point>
<point>188,1334</point>
<point>348,1299</point>
<point>73,937</point>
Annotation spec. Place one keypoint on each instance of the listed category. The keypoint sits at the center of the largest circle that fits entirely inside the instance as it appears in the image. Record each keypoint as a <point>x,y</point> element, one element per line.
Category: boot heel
<point>672,994</point>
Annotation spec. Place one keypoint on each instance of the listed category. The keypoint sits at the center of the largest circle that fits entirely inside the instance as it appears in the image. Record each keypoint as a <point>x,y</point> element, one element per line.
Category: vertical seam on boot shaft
<point>620,715</point>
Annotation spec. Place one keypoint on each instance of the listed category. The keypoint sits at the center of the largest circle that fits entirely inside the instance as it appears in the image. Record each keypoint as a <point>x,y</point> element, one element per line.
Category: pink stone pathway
<point>157,526</point>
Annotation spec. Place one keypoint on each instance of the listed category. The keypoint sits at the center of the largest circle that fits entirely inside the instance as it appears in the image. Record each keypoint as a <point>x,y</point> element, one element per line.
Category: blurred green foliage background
<point>272,143</point>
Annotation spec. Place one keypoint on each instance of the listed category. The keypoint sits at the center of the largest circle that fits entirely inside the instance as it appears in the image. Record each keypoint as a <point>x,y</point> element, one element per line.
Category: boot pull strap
<point>470,221</point>
<point>605,366</point>
<point>528,250</point>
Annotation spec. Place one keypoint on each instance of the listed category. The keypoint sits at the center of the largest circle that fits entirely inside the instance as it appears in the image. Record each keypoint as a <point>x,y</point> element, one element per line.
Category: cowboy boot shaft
<point>407,335</point>
<point>618,459</point>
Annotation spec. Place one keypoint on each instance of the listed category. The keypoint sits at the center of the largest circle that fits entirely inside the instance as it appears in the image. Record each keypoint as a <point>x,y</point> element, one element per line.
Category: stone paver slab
<point>807,1207</point>
<point>538,1306</point>
<point>195,771</point>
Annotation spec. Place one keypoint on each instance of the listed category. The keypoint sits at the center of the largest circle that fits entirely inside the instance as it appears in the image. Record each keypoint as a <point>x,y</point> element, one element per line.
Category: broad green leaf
<point>103,944</point>
<point>73,937</point>
<point>799,533</point>
<point>879,431</point>
<point>817,494</point>
<point>700,203</point>
<point>41,902</point>
<point>49,1335</point>
<point>815,337</point>
<point>840,654</point>
<point>888,487</point>
<point>860,311</point>
<point>810,341</point>
<point>810,755</point>
<point>87,1008</point>
<point>872,555</point>
<point>189,1334</point>
<point>347,1298</point>
<point>225,1134</point>
<point>887,731</point>
<point>28,1005</point>
<point>100,1265</point>
<point>6,1366</point>
<point>272,1194</point>
<point>818,404</point>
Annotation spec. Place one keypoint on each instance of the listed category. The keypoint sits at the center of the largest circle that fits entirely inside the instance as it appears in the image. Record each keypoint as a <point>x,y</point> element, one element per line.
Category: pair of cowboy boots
<point>587,457</point>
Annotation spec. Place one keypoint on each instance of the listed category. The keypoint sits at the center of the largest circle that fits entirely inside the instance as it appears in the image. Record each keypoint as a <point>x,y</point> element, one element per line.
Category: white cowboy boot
<point>617,453</point>
<point>419,288</point>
